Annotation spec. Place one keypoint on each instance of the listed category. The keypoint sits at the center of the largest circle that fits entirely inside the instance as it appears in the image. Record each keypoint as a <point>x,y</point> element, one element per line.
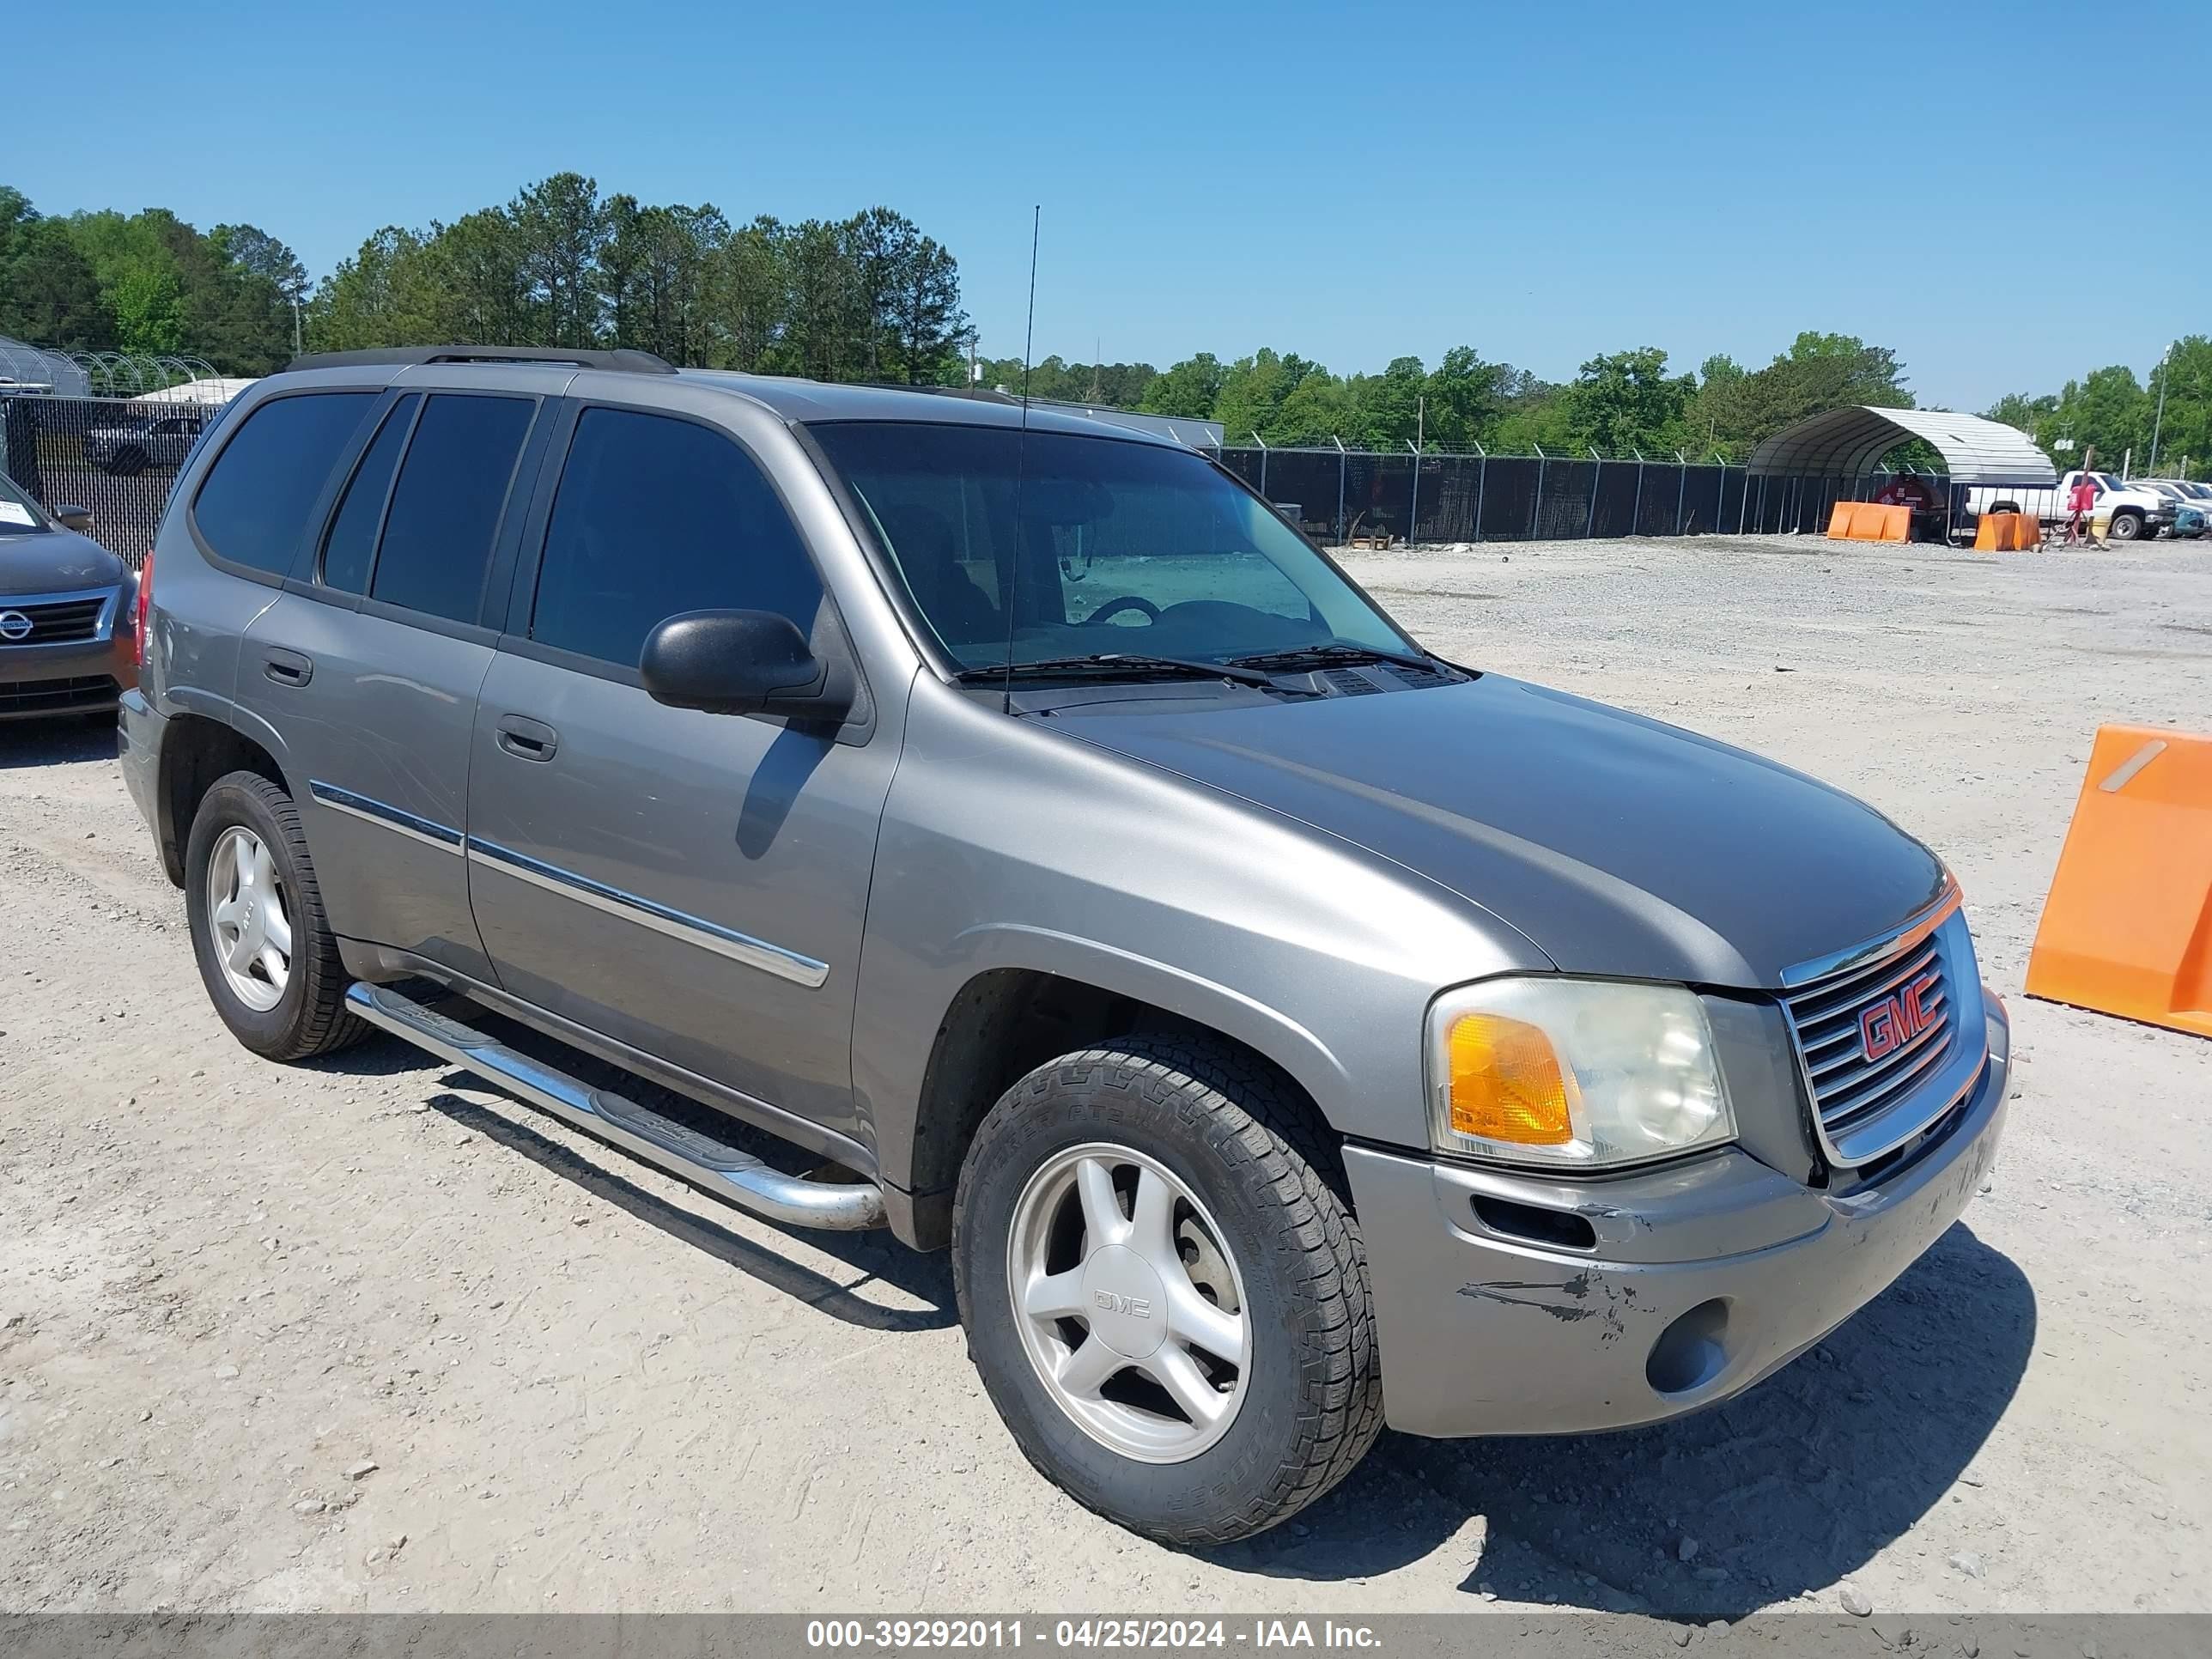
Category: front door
<point>691,884</point>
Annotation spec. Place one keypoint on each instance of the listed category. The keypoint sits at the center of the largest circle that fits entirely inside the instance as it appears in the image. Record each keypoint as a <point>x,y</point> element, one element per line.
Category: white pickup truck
<point>2124,512</point>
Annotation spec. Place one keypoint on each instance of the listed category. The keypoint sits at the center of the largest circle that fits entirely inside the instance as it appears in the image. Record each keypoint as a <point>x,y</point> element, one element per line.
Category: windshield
<point>18,515</point>
<point>1123,547</point>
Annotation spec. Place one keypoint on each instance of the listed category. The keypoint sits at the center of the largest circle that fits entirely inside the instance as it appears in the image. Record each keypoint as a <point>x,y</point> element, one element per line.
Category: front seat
<point>923,542</point>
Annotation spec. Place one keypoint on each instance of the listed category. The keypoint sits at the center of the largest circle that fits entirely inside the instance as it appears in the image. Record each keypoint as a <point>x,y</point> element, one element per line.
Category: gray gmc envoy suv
<point>1289,1031</point>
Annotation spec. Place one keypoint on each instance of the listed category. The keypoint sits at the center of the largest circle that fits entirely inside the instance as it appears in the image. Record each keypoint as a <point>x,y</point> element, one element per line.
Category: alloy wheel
<point>1129,1305</point>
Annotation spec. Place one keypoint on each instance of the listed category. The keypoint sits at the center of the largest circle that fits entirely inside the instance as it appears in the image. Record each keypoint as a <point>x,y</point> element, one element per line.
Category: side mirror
<point>78,519</point>
<point>741,662</point>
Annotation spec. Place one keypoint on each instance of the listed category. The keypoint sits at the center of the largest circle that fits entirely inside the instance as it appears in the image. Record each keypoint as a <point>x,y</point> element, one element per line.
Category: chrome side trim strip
<point>675,924</point>
<point>385,816</point>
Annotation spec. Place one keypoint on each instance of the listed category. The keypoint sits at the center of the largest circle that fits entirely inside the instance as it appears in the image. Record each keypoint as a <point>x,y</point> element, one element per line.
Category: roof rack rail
<point>635,363</point>
<point>973,393</point>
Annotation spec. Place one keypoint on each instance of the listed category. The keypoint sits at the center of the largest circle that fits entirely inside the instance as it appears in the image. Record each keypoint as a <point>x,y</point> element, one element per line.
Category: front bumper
<point>1704,1275</point>
<point>83,677</point>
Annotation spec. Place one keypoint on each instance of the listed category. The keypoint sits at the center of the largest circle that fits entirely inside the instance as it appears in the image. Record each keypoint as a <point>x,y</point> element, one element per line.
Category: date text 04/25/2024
<point>895,1635</point>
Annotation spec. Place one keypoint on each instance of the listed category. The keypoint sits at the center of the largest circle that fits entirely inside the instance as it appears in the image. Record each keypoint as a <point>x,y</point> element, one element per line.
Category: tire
<point>2125,527</point>
<point>305,1015</point>
<point>1267,1216</point>
<point>128,463</point>
<point>2002,507</point>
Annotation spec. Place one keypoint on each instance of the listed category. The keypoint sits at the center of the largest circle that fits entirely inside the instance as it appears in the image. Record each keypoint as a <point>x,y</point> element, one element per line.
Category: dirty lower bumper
<point>1704,1277</point>
<point>79,677</point>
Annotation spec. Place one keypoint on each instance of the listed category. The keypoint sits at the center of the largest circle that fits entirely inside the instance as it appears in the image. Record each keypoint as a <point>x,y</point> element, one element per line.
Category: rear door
<point>370,663</point>
<point>692,886</point>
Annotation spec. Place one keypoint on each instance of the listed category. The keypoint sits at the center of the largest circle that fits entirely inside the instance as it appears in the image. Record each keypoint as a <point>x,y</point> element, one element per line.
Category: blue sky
<point>1542,183</point>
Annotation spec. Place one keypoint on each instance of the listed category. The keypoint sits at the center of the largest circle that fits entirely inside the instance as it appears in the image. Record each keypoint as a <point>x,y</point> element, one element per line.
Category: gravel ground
<point>365,1335</point>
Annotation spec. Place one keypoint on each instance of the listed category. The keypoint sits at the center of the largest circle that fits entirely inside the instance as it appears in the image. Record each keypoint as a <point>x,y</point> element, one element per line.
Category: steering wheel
<point>1127,602</point>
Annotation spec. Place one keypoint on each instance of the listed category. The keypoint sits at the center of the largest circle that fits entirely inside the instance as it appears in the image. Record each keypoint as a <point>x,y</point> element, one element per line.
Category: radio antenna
<point>1021,458</point>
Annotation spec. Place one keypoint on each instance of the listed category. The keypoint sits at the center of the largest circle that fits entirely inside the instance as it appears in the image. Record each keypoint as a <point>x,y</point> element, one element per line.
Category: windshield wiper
<point>1299,655</point>
<point>1125,663</point>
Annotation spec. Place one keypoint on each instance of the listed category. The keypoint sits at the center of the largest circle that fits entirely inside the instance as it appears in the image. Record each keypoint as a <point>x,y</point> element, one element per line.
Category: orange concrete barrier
<point>1870,521</point>
<point>2128,928</point>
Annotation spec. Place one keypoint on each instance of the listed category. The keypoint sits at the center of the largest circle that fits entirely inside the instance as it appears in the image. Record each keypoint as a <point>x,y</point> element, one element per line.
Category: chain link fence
<point>118,457</point>
<point>1337,494</point>
<point>115,457</point>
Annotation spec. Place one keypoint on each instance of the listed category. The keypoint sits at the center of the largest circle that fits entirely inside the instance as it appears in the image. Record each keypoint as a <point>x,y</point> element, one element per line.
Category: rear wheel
<point>1163,1290</point>
<point>130,461</point>
<point>265,951</point>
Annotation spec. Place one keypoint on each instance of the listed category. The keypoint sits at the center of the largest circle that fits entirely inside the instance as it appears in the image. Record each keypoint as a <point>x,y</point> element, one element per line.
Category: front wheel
<point>2125,527</point>
<point>1164,1289</point>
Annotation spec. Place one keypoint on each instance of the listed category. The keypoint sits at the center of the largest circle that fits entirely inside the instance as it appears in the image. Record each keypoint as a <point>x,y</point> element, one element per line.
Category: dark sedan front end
<point>65,613</point>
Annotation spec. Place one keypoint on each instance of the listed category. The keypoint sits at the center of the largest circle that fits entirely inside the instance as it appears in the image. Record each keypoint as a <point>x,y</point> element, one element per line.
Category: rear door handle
<point>287,667</point>
<point>527,739</point>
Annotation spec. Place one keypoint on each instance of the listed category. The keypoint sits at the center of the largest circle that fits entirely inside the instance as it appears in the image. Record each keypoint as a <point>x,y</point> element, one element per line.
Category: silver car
<point>1288,1030</point>
<point>66,605</point>
<point>129,448</point>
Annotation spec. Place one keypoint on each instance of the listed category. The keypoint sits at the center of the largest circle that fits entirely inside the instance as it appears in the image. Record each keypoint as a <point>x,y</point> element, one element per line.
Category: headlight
<point>1578,1072</point>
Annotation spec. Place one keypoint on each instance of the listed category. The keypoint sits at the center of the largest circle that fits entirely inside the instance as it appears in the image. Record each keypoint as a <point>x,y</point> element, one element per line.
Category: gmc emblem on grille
<point>1889,1025</point>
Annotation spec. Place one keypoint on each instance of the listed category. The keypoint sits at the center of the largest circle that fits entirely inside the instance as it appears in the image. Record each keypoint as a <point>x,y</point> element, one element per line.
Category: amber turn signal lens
<point>1506,1083</point>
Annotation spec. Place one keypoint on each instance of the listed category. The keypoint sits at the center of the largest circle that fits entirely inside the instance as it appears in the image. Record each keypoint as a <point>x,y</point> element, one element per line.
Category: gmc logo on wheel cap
<point>1137,1307</point>
<point>1889,1025</point>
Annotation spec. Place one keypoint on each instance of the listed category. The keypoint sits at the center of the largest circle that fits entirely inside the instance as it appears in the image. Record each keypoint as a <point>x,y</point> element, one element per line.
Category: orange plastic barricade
<point>2007,532</point>
<point>1870,521</point>
<point>2128,928</point>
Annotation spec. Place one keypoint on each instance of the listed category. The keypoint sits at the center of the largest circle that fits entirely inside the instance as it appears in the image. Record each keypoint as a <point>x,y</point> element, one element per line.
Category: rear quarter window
<point>254,506</point>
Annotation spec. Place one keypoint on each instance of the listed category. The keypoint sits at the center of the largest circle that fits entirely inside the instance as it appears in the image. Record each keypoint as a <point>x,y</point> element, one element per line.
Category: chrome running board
<point>721,1171</point>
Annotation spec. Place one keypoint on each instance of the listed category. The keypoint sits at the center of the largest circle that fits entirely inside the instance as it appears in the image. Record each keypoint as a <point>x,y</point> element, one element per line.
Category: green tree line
<point>147,284</point>
<point>873,298</point>
<point>869,298</point>
<point>1617,403</point>
<point>2110,408</point>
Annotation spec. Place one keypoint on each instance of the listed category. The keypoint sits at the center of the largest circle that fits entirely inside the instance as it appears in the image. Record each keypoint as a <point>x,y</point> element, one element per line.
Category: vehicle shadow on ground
<point>926,1279</point>
<point>61,741</point>
<point>1784,1490</point>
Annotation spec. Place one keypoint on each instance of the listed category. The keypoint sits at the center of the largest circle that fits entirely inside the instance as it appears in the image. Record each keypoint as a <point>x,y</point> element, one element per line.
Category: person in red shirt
<point>2081,508</point>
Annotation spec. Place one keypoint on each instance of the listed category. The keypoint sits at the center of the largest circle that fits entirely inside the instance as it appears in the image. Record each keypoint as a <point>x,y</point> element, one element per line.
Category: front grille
<point>1838,1017</point>
<point>57,622</point>
<point>56,696</point>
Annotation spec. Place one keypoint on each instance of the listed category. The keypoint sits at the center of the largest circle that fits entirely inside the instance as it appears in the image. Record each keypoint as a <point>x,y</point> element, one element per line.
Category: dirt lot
<point>366,1335</point>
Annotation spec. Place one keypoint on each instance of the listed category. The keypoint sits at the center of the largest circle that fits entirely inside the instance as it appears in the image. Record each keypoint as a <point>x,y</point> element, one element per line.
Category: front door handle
<point>287,667</point>
<point>527,739</point>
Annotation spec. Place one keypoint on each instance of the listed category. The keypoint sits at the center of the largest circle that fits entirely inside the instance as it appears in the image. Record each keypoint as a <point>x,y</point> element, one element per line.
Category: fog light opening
<point>1692,1352</point>
<point>1538,1225</point>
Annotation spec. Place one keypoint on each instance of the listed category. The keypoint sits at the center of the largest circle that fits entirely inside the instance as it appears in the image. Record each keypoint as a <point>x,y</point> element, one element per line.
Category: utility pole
<point>295,325</point>
<point>2159,420</point>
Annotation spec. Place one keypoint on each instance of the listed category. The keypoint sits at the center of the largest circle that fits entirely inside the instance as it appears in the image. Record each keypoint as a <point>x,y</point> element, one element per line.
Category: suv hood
<point>1618,845</point>
<point>55,561</point>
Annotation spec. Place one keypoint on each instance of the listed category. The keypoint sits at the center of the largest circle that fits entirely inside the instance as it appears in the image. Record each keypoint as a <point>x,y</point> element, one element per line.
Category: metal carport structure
<point>1844,448</point>
<point>1847,443</point>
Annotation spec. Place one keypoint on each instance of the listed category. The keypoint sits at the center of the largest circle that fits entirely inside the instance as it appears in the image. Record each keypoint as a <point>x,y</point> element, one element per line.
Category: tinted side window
<point>352,539</point>
<point>445,508</point>
<point>254,507</point>
<point>656,516</point>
